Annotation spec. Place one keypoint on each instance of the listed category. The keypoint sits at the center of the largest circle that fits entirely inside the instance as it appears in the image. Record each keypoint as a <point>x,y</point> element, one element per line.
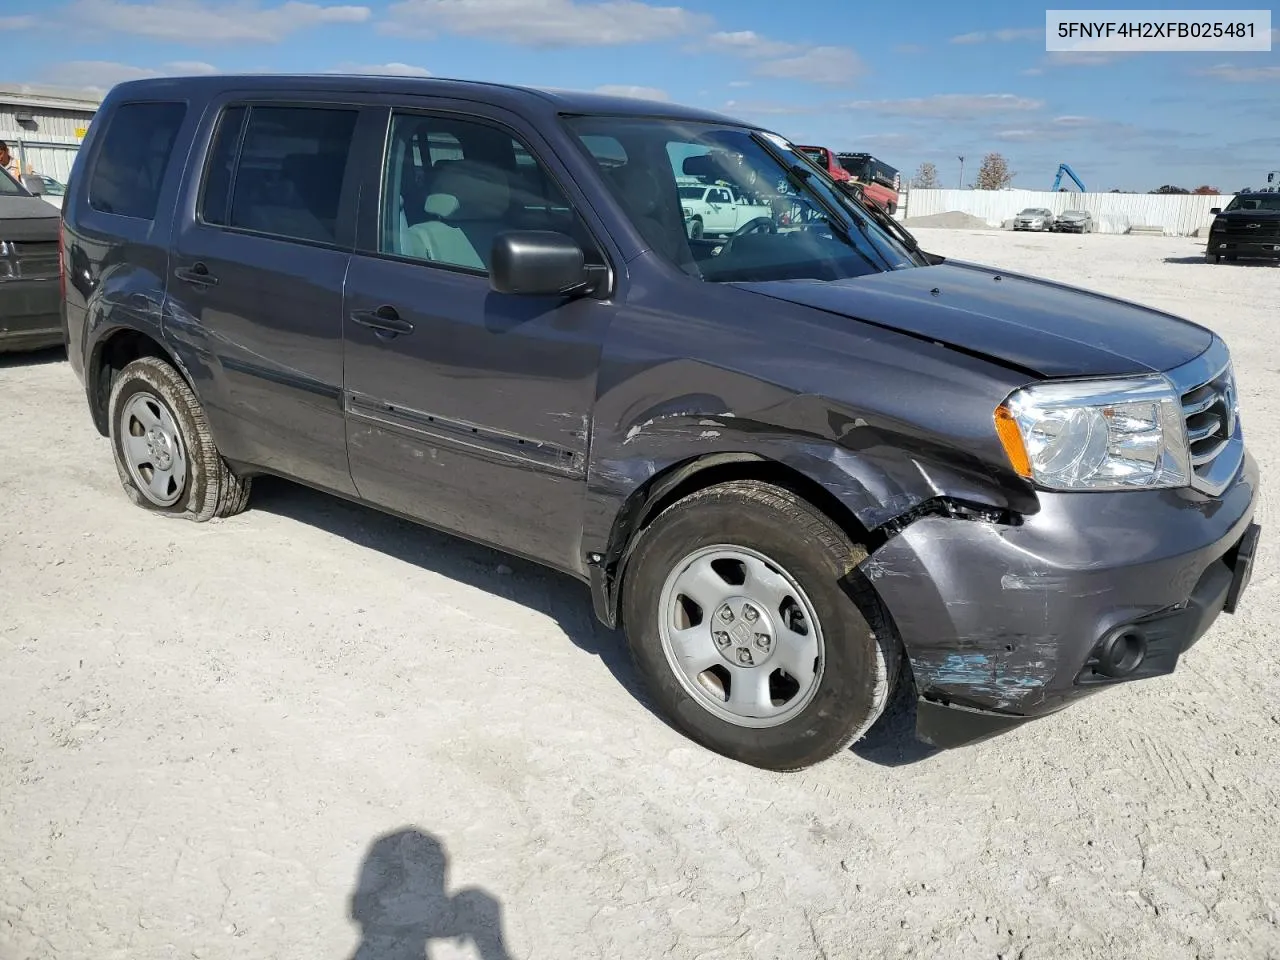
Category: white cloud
<point>101,75</point>
<point>909,48</point>
<point>958,106</point>
<point>382,69</point>
<point>23,22</point>
<point>738,84</point>
<point>999,36</point>
<point>780,60</point>
<point>542,23</point>
<point>206,21</point>
<point>748,43</point>
<point>827,65</point>
<point>628,90</point>
<point>1233,74</point>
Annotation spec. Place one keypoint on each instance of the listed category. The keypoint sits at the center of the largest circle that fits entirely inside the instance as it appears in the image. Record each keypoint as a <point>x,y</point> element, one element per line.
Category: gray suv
<point>798,465</point>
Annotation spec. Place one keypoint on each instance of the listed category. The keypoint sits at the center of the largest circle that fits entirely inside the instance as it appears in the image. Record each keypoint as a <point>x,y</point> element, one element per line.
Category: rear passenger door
<point>260,251</point>
<point>467,408</point>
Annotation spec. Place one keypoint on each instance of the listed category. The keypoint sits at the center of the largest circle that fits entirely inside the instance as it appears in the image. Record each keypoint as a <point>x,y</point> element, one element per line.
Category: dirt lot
<point>313,729</point>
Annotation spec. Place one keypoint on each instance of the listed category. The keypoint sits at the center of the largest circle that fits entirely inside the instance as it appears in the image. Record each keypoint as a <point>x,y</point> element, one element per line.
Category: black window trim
<point>226,103</point>
<point>605,290</point>
<point>100,143</point>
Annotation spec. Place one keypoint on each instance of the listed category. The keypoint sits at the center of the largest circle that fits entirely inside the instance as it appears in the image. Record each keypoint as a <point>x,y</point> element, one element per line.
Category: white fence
<point>1178,215</point>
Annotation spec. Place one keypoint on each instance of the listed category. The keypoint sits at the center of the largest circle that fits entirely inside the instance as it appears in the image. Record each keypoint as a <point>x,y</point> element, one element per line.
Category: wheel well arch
<point>112,354</point>
<point>680,480</point>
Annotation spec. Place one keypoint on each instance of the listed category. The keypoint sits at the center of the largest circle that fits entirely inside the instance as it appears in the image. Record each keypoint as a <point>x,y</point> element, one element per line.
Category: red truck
<point>880,182</point>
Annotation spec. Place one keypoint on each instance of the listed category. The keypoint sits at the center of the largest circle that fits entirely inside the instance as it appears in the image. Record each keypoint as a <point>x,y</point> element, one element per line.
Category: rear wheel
<point>742,615</point>
<point>696,229</point>
<point>164,451</point>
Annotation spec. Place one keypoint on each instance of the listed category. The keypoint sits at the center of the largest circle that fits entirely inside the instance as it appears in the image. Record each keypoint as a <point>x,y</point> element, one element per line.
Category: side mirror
<point>34,185</point>
<point>540,263</point>
<point>1215,210</point>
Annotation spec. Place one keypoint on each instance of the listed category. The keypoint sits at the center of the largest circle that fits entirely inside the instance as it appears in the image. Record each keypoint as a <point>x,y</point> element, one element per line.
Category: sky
<point>928,81</point>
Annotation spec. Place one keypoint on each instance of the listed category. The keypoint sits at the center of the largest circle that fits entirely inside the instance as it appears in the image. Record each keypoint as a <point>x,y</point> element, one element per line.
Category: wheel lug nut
<point>750,613</point>
<point>763,641</point>
<point>744,656</point>
<point>726,614</point>
<point>721,638</point>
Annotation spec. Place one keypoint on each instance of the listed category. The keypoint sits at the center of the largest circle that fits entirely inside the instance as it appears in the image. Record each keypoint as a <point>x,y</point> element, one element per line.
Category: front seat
<point>467,205</point>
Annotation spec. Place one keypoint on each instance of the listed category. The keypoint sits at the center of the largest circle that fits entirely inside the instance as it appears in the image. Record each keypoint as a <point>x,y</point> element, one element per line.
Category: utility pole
<point>961,173</point>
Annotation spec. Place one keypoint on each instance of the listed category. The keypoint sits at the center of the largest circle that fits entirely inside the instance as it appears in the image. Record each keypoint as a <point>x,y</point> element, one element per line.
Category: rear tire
<point>164,450</point>
<point>695,229</point>
<point>794,564</point>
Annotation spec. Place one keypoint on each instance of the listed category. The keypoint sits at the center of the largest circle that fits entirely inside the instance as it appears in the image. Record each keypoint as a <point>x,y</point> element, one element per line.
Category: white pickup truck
<point>717,210</point>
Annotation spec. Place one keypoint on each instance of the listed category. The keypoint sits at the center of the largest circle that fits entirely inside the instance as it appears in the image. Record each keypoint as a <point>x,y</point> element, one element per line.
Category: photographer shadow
<point>401,904</point>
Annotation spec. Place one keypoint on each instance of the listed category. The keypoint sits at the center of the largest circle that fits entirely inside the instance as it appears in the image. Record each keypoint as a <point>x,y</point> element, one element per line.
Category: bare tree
<point>1170,188</point>
<point>994,174</point>
<point>926,177</point>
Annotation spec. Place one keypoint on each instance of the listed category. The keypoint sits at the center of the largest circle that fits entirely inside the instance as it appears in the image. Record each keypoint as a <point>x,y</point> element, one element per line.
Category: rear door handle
<point>197,274</point>
<point>384,321</point>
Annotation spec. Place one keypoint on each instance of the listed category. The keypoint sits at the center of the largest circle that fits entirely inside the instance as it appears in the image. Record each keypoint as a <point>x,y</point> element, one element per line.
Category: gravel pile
<point>952,219</point>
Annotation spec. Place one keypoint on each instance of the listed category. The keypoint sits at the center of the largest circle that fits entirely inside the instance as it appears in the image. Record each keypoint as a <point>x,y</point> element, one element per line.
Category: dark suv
<point>1248,227</point>
<point>30,306</point>
<point>786,462</point>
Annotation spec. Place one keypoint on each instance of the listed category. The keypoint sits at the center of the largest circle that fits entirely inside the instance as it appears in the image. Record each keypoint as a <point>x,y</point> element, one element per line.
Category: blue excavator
<point>1057,181</point>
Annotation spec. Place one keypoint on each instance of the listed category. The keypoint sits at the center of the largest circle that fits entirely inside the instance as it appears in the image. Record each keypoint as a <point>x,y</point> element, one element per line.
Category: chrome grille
<point>28,259</point>
<point>1211,412</point>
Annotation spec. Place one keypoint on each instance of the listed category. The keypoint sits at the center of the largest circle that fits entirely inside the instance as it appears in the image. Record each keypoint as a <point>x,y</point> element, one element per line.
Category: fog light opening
<point>1121,653</point>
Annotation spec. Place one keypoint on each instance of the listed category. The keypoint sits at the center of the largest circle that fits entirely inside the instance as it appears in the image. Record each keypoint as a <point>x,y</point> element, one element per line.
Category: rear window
<point>279,171</point>
<point>129,169</point>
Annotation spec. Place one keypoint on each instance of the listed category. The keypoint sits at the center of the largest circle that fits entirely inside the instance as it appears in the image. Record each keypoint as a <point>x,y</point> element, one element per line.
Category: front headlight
<point>1097,435</point>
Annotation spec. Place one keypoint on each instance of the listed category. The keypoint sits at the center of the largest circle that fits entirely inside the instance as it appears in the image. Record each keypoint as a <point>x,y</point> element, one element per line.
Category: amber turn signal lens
<point>1011,439</point>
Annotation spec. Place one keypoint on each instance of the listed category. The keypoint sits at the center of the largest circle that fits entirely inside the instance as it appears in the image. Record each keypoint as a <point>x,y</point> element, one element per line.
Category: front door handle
<point>197,274</point>
<point>384,321</point>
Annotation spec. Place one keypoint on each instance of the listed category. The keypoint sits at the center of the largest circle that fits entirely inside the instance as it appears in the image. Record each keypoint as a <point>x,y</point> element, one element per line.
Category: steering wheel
<point>754,225</point>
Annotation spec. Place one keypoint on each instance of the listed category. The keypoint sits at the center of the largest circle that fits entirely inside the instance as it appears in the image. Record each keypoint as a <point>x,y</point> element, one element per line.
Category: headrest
<point>641,193</point>
<point>476,190</point>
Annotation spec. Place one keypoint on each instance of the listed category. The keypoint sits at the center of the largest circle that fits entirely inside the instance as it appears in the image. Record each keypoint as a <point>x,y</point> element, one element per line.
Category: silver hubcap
<point>153,451</point>
<point>741,636</point>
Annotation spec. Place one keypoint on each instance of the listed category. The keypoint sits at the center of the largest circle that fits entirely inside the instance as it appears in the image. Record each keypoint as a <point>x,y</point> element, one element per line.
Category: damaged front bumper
<point>1003,623</point>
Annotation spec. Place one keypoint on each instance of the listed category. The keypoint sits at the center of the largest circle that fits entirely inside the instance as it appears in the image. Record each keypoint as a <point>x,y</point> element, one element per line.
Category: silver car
<point>1074,221</point>
<point>1034,218</point>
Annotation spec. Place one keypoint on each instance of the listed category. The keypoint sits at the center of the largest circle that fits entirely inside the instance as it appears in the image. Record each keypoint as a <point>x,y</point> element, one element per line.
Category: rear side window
<point>279,171</point>
<point>129,169</point>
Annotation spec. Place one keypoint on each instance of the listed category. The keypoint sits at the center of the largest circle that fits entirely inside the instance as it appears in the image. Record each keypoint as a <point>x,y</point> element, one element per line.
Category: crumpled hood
<point>1047,328</point>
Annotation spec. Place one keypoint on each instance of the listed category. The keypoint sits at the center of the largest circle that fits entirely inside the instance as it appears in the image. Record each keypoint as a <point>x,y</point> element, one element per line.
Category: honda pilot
<point>796,465</point>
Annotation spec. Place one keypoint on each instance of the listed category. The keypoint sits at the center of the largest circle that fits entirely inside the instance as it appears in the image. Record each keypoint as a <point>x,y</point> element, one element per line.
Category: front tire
<point>695,229</point>
<point>746,618</point>
<point>164,451</point>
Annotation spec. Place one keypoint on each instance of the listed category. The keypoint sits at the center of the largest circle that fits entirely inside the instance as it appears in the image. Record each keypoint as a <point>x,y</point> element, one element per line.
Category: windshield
<point>10,187</point>
<point>859,167</point>
<point>1270,201</point>
<point>789,222</point>
<point>1074,213</point>
<point>52,187</point>
<point>1031,212</point>
<point>817,154</point>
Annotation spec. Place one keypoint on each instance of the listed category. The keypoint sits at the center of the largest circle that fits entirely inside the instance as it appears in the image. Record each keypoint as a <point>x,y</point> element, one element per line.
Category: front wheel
<point>164,451</point>
<point>743,614</point>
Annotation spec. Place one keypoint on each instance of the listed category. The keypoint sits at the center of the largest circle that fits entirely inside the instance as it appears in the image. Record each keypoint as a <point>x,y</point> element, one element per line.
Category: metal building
<point>45,126</point>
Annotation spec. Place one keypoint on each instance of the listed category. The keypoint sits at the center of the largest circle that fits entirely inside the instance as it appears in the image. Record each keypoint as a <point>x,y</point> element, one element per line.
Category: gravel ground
<point>313,731</point>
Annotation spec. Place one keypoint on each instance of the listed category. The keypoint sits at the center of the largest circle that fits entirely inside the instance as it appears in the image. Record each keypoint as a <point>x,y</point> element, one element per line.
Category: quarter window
<point>130,166</point>
<point>279,171</point>
<point>451,187</point>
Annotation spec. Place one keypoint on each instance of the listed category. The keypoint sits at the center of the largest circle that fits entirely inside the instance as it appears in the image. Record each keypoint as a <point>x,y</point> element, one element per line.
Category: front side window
<point>10,187</point>
<point>130,165</point>
<point>278,171</point>
<point>452,186</point>
<point>784,219</point>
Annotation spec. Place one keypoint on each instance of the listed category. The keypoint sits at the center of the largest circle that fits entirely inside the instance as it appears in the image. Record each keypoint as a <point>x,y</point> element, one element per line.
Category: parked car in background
<point>1034,218</point>
<point>30,305</point>
<point>53,189</point>
<point>785,462</point>
<point>1073,221</point>
<point>717,211</point>
<point>1248,227</point>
